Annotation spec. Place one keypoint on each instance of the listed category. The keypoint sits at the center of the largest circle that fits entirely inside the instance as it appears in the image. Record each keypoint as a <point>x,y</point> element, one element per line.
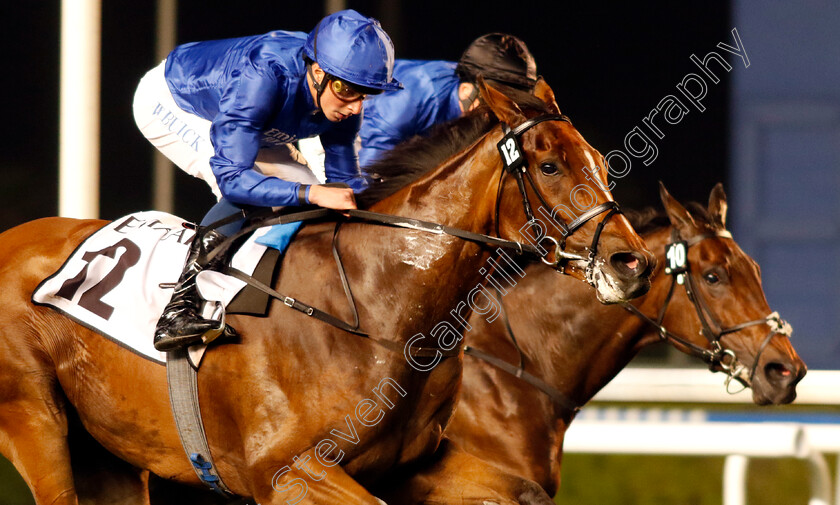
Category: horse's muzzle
<point>775,382</point>
<point>624,276</point>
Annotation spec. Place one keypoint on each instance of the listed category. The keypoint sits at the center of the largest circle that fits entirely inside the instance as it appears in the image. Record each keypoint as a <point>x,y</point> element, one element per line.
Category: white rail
<point>668,431</point>
<point>819,387</point>
<point>736,441</point>
<point>79,109</point>
<point>691,438</point>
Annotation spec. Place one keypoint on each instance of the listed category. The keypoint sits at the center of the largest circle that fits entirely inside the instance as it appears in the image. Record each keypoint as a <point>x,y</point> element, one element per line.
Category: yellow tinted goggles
<point>345,91</point>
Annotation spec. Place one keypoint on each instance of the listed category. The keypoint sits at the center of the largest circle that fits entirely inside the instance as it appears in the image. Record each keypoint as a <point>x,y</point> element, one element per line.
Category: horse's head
<point>723,287</point>
<point>553,194</point>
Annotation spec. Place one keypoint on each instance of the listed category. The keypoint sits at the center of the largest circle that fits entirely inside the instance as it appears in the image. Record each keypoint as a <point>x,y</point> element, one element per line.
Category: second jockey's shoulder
<point>428,68</point>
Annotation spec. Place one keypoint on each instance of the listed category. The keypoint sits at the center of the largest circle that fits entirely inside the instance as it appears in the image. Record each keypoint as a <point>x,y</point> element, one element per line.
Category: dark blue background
<point>771,132</point>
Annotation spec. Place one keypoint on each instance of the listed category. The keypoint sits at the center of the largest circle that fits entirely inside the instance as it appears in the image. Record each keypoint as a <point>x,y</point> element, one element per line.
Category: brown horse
<point>300,410</point>
<point>578,346</point>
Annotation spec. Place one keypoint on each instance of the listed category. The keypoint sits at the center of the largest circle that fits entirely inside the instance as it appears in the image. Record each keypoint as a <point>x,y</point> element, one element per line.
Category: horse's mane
<point>651,219</point>
<point>417,155</point>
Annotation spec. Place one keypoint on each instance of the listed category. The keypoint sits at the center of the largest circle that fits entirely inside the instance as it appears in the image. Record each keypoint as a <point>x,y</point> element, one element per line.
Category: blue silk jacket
<point>253,90</point>
<point>430,97</point>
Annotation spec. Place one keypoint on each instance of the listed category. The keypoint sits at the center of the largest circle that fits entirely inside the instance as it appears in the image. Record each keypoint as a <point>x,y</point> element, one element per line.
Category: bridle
<point>514,162</point>
<point>715,355</point>
<point>679,270</point>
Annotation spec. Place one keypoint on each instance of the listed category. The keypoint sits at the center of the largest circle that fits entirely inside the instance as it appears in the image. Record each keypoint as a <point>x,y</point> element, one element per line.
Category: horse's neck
<point>570,340</point>
<point>458,193</point>
<point>599,340</point>
<point>404,282</point>
<point>438,270</point>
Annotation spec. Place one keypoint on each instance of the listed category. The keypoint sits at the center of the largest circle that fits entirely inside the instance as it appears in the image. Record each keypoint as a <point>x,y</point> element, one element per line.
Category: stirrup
<point>223,329</point>
<point>172,343</point>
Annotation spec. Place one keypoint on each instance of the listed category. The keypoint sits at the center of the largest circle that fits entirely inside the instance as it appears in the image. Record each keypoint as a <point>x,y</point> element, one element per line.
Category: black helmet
<point>499,57</point>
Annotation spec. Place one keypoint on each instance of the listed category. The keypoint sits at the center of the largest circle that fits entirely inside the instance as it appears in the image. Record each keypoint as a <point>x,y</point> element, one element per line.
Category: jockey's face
<point>465,89</point>
<point>339,101</point>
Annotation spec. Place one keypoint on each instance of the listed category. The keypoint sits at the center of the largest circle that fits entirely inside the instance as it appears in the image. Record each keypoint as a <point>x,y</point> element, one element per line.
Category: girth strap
<point>183,396</point>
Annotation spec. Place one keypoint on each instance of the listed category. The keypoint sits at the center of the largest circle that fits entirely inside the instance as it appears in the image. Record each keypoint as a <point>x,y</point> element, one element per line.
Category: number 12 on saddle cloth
<point>112,283</point>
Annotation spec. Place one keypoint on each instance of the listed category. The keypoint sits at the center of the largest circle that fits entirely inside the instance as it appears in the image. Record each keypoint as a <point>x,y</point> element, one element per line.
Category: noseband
<point>679,270</point>
<point>514,162</point>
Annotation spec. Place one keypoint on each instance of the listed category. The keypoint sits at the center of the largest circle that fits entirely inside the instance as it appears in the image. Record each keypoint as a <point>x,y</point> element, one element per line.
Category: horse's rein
<point>715,354</point>
<point>266,217</point>
<point>518,371</point>
<point>260,219</point>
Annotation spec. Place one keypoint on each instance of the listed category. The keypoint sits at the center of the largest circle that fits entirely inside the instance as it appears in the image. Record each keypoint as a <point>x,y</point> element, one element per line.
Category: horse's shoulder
<point>51,237</point>
<point>47,227</point>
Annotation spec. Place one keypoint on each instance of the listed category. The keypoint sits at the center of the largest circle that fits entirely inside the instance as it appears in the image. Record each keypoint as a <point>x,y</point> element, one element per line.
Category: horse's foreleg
<point>33,415</point>
<point>121,485</point>
<point>167,492</point>
<point>102,478</point>
<point>34,439</point>
<point>456,477</point>
<point>308,482</point>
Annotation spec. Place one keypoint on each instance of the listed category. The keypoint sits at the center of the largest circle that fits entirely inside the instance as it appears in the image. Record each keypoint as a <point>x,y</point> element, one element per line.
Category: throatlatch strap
<point>183,396</point>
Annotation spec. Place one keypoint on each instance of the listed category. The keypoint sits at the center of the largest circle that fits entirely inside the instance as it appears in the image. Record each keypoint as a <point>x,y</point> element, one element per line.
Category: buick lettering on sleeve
<point>178,127</point>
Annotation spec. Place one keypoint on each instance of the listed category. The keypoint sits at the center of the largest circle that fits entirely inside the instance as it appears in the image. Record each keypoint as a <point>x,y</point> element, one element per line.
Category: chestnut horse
<point>279,406</point>
<point>577,346</point>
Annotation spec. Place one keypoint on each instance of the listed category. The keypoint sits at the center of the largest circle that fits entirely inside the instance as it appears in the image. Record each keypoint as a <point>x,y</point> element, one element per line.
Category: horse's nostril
<point>778,372</point>
<point>630,264</point>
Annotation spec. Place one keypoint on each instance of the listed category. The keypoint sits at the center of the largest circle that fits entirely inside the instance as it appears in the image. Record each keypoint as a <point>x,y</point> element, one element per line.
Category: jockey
<point>439,91</point>
<point>227,111</point>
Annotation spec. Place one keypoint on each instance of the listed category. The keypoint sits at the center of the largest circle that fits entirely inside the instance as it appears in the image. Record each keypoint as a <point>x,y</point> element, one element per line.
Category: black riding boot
<point>181,324</point>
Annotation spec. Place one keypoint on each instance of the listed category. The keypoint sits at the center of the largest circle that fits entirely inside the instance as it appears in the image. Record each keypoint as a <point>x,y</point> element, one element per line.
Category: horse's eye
<point>711,278</point>
<point>548,168</point>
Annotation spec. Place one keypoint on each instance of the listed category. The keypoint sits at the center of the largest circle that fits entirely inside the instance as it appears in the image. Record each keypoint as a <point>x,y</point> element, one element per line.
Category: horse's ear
<point>679,217</point>
<point>502,106</point>
<point>718,206</point>
<point>544,92</point>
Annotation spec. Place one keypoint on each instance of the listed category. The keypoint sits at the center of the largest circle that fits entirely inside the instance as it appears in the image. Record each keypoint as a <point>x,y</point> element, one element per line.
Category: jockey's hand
<point>332,198</point>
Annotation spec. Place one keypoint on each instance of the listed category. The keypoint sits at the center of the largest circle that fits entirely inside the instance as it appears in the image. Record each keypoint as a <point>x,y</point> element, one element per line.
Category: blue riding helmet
<point>353,48</point>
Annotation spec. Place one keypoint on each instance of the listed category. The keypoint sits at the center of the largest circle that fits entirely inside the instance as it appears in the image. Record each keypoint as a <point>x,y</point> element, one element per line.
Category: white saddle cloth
<point>112,281</point>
